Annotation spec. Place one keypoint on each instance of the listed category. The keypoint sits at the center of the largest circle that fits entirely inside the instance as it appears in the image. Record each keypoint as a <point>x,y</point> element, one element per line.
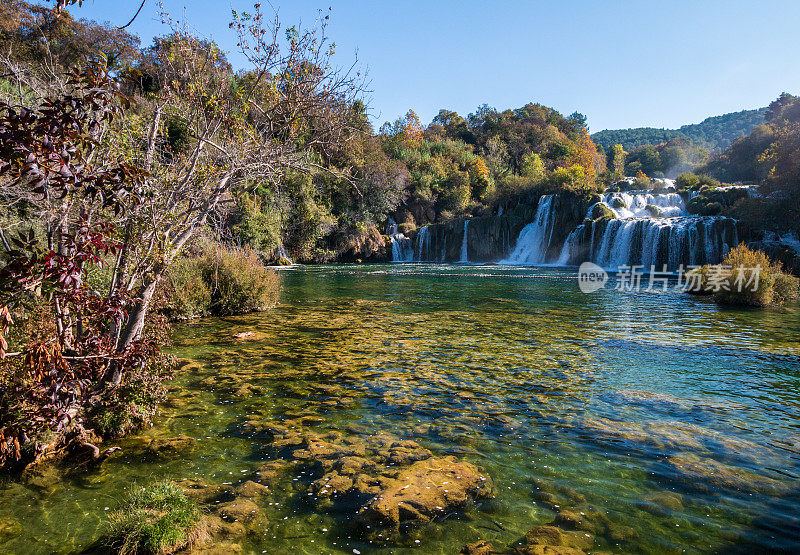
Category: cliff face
<point>492,238</point>
<point>489,238</point>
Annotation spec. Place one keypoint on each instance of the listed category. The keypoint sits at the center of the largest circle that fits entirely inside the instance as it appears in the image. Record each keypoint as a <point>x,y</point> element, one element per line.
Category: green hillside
<point>714,133</point>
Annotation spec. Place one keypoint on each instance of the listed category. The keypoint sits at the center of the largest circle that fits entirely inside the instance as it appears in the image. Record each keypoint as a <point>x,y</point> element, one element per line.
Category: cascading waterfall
<point>283,253</point>
<point>644,205</point>
<point>464,254</point>
<point>651,242</point>
<point>402,248</point>
<point>534,239</point>
<point>423,246</point>
<point>634,228</point>
<point>637,237</point>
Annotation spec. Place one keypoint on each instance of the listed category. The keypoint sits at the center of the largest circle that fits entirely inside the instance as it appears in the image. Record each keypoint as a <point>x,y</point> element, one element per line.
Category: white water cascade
<point>645,205</point>
<point>649,230</point>
<point>423,244</point>
<point>464,254</point>
<point>534,239</point>
<point>402,248</point>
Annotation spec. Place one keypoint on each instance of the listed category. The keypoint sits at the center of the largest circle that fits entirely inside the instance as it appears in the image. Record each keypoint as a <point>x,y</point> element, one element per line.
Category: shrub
<point>698,281</point>
<point>786,288</point>
<point>618,203</point>
<point>686,181</point>
<point>406,228</point>
<point>601,211</point>
<point>221,282</point>
<point>156,519</point>
<point>750,278</point>
<point>238,281</point>
<point>188,294</point>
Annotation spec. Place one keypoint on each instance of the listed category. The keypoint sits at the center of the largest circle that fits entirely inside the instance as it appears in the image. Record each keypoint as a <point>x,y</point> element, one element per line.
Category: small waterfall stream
<point>534,239</point>
<point>402,247</point>
<point>464,244</point>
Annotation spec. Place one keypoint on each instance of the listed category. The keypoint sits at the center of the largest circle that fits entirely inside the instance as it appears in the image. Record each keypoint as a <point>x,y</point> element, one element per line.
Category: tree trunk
<point>135,327</point>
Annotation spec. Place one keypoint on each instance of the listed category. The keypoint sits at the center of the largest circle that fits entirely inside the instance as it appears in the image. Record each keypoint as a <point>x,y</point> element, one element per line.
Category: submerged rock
<point>539,540</point>
<point>220,529</point>
<point>555,496</point>
<point>426,489</point>
<point>594,522</point>
<point>706,475</point>
<point>239,510</point>
<point>44,478</point>
<point>250,490</point>
<point>542,540</point>
<point>478,548</point>
<point>9,528</point>
<point>663,502</point>
<point>172,447</point>
<point>204,492</point>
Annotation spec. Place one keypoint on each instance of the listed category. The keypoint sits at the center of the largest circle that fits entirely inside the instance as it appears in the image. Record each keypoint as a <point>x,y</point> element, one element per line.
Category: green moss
<point>654,211</point>
<point>601,211</point>
<point>155,519</point>
<point>406,228</point>
<point>617,202</point>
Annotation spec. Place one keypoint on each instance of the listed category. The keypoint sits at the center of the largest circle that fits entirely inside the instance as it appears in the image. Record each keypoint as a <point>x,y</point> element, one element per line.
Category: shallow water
<point>606,395</point>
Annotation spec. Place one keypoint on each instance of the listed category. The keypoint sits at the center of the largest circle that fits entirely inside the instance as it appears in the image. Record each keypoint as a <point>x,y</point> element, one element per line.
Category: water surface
<point>615,401</point>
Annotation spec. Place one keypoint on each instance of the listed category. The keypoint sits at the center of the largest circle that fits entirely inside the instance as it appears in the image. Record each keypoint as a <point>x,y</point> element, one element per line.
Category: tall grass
<point>156,519</point>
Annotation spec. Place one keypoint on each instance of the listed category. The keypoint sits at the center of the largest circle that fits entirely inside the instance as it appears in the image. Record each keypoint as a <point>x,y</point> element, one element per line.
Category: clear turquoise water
<point>514,370</point>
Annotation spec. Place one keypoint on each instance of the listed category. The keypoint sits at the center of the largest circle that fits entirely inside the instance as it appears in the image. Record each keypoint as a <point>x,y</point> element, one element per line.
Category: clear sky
<point>622,63</point>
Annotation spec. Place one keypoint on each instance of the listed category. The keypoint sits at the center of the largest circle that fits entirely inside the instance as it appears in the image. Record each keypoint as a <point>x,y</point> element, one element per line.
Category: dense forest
<point>714,134</point>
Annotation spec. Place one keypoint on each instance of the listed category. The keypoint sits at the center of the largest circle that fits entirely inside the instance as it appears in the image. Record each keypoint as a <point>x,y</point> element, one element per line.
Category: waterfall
<point>464,255</point>
<point>651,242</point>
<point>637,205</point>
<point>422,248</point>
<point>534,239</point>
<point>282,253</point>
<point>402,249</point>
<point>647,229</point>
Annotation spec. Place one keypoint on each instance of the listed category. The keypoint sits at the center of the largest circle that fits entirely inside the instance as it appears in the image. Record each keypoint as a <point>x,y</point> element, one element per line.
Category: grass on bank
<point>158,519</point>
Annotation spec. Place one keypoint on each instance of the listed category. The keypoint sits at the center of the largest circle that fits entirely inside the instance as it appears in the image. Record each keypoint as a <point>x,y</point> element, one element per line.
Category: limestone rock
<point>172,447</point>
<point>705,474</point>
<point>426,489</point>
<point>478,548</point>
<point>218,528</point>
<point>238,510</point>
<point>662,502</point>
<point>9,528</point>
<point>250,490</point>
<point>553,536</point>
<point>594,522</point>
<point>205,493</point>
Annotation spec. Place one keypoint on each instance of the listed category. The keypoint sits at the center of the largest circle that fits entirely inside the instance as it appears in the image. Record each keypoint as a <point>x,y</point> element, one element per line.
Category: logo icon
<point>591,277</point>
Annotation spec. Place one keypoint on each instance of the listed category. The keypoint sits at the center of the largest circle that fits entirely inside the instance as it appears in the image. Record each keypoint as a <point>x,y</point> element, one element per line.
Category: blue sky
<point>622,63</point>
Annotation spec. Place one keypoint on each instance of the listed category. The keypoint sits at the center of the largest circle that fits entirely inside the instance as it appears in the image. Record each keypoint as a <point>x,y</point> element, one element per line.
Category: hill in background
<point>715,133</point>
